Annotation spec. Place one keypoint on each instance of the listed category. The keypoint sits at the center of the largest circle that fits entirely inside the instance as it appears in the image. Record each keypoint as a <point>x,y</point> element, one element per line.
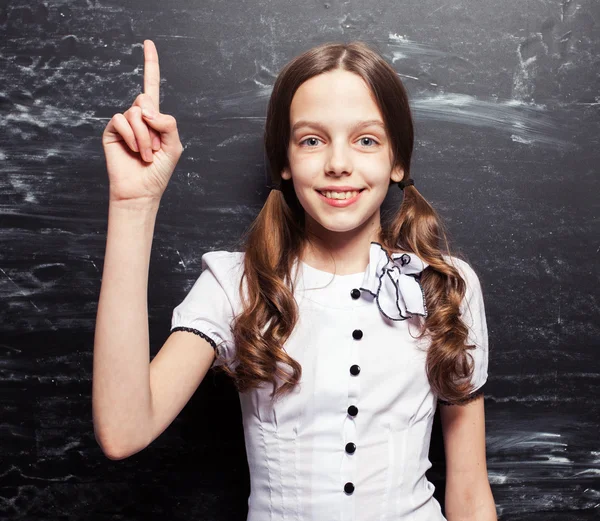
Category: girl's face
<point>338,142</point>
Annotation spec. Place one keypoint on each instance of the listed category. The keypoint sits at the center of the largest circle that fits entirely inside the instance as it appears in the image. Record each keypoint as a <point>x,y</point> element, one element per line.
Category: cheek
<point>373,168</point>
<point>306,167</point>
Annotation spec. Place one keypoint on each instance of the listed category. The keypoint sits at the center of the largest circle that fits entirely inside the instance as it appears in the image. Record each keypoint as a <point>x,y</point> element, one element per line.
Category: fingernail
<point>155,143</point>
<point>149,155</point>
<point>135,146</point>
<point>147,113</point>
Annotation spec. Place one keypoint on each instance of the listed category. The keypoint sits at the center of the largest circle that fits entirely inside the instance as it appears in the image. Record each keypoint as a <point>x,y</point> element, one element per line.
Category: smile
<point>340,199</point>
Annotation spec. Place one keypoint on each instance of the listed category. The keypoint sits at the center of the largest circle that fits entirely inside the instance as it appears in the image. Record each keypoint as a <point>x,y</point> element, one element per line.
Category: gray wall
<point>506,102</point>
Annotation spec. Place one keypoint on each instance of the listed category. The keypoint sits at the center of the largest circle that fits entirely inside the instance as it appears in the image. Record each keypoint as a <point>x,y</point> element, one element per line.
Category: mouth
<point>340,199</point>
<point>340,196</point>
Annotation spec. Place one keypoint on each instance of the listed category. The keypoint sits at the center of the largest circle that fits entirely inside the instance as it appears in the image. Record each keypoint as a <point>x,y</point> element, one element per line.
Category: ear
<point>397,174</point>
<point>286,174</point>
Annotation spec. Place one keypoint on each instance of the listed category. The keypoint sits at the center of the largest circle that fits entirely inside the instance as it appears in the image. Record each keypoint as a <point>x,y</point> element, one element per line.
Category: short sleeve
<point>211,304</point>
<point>472,311</point>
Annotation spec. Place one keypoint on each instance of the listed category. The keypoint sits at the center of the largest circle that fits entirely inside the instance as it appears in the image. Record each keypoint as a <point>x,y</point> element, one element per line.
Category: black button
<point>357,334</point>
<point>353,410</point>
<point>350,448</point>
<point>355,293</point>
<point>349,487</point>
<point>354,369</point>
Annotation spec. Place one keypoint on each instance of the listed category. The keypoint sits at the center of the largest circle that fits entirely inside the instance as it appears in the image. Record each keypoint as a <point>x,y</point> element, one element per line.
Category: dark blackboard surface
<point>506,101</point>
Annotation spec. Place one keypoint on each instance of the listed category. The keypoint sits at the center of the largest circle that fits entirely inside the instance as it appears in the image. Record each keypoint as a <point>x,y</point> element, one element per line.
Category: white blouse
<point>351,442</point>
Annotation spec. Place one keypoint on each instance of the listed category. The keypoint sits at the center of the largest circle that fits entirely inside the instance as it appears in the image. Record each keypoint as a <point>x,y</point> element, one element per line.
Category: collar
<point>394,282</point>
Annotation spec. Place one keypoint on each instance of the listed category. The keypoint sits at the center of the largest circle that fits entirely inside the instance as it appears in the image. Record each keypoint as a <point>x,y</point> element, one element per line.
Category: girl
<point>342,332</point>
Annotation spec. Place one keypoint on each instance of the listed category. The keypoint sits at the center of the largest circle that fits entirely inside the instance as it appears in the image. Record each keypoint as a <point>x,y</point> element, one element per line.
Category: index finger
<point>151,72</point>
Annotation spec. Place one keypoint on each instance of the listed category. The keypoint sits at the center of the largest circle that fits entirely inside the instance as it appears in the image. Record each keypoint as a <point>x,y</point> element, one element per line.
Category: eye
<point>312,140</point>
<point>369,139</point>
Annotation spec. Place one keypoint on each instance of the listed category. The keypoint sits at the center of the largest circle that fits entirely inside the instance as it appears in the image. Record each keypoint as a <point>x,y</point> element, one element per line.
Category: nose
<point>338,161</point>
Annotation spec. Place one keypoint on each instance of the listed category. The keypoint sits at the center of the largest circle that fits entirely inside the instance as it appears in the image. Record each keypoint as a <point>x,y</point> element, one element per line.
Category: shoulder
<point>467,272</point>
<point>463,267</point>
<point>227,267</point>
<point>222,260</point>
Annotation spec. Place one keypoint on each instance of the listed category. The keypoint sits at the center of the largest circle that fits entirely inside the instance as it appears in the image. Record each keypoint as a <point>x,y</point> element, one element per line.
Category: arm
<point>121,402</point>
<point>133,401</point>
<point>468,493</point>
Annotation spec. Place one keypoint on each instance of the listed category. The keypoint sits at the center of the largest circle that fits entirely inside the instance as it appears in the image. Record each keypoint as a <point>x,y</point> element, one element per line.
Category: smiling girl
<point>342,333</point>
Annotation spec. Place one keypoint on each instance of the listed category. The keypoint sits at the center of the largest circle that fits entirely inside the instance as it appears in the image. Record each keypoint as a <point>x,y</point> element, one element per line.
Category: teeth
<point>339,195</point>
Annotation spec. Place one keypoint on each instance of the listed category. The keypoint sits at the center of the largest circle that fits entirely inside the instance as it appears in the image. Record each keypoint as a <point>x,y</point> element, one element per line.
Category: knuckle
<point>133,116</point>
<point>145,100</point>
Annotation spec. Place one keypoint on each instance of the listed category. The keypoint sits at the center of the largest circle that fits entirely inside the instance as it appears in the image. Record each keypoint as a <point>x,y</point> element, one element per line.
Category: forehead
<point>334,97</point>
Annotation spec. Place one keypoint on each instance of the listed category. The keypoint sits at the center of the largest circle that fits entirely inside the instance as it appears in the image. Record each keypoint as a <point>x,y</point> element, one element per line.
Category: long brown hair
<point>277,236</point>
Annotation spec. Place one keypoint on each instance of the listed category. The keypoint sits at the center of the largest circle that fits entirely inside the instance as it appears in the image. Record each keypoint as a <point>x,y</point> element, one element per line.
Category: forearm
<point>470,503</point>
<point>121,399</point>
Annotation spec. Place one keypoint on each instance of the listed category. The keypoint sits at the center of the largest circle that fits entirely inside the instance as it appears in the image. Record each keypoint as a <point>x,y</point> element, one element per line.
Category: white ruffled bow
<point>392,282</point>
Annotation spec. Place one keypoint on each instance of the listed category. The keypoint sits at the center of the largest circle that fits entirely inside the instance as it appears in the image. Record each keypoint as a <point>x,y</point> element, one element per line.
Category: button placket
<point>350,446</point>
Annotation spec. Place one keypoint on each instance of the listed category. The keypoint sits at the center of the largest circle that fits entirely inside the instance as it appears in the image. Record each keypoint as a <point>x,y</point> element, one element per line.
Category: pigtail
<point>417,227</point>
<point>272,243</point>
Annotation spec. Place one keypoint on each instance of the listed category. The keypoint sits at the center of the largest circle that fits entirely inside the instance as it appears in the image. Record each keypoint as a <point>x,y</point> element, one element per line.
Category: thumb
<point>165,124</point>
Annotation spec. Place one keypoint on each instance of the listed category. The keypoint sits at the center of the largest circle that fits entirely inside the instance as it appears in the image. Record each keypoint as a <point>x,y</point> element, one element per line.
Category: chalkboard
<point>506,104</point>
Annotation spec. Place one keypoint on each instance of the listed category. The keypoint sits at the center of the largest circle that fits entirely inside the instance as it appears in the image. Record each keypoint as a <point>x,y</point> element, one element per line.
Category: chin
<point>336,225</point>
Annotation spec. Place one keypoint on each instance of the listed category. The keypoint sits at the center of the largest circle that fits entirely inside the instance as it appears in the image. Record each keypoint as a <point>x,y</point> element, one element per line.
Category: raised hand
<point>142,145</point>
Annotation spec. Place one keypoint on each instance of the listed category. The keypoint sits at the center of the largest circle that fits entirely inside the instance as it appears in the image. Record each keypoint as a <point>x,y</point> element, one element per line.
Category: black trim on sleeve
<point>196,332</point>
<point>467,399</point>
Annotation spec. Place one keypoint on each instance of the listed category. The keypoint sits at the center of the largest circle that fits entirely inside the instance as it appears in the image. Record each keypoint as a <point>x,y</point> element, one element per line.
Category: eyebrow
<point>356,126</point>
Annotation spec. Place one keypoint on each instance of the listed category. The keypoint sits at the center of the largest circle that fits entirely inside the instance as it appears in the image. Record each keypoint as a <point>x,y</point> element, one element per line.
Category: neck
<point>342,253</point>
